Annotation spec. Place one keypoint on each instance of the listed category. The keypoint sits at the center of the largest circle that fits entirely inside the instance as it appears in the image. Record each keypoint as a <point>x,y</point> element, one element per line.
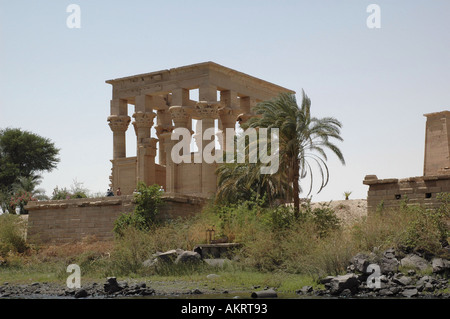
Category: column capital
<point>161,129</point>
<point>228,116</point>
<point>143,119</point>
<point>208,110</point>
<point>119,123</point>
<point>180,115</point>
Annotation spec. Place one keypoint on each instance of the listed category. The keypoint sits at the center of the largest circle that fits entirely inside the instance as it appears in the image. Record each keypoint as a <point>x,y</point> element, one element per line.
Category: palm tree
<point>239,181</point>
<point>302,139</point>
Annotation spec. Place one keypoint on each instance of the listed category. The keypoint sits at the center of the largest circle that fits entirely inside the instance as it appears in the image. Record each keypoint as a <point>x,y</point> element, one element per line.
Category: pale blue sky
<point>377,82</point>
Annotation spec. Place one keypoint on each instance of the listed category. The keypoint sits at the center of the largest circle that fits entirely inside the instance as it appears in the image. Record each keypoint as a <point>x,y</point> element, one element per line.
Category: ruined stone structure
<point>161,101</point>
<point>65,221</point>
<point>163,98</point>
<point>420,189</point>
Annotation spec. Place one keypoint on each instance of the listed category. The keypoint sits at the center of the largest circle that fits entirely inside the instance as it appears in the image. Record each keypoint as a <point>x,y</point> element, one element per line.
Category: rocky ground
<point>375,275</point>
<point>368,276</point>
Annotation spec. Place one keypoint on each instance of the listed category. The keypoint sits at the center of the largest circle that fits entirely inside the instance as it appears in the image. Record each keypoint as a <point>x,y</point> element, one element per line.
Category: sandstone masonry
<point>420,190</point>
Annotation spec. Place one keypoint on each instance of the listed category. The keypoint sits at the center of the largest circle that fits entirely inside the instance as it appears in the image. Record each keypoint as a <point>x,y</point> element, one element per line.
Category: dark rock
<point>346,293</point>
<point>81,293</point>
<point>389,253</point>
<point>305,290</point>
<point>147,292</point>
<point>196,291</point>
<point>410,292</point>
<point>360,262</point>
<point>340,283</point>
<point>267,293</point>
<point>112,286</point>
<point>385,292</point>
<point>411,272</point>
<point>402,280</point>
<point>388,262</point>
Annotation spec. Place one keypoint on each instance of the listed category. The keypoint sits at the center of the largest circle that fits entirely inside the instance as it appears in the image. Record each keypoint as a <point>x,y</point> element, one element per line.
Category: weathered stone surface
<point>188,257</point>
<point>388,263</point>
<point>340,283</point>
<point>360,262</point>
<point>168,256</point>
<point>267,293</point>
<point>305,290</point>
<point>440,265</point>
<point>411,292</point>
<point>401,279</point>
<point>414,261</point>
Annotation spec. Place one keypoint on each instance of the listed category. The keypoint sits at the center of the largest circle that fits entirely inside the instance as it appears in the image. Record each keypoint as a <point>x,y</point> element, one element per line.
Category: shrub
<point>408,227</point>
<point>12,230</point>
<point>147,201</point>
<point>323,217</point>
<point>129,252</point>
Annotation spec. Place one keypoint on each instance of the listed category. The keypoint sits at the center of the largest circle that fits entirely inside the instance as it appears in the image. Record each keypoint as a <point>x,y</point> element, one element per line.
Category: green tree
<point>22,155</point>
<point>303,139</point>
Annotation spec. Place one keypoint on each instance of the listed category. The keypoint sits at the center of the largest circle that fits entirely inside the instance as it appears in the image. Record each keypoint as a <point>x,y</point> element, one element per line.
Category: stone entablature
<point>224,94</point>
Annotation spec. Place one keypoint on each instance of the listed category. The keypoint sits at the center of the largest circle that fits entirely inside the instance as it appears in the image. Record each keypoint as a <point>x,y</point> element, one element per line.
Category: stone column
<point>207,113</point>
<point>437,144</point>
<point>167,143</point>
<point>119,125</point>
<point>228,119</point>
<point>160,131</point>
<point>246,104</point>
<point>146,147</point>
<point>181,119</point>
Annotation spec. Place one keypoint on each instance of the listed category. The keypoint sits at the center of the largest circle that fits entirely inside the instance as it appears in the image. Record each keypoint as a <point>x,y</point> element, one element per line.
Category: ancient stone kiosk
<point>162,100</point>
<point>436,173</point>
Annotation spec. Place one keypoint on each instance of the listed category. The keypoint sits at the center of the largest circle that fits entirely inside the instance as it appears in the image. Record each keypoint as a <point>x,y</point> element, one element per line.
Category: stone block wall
<point>66,221</point>
<point>421,190</point>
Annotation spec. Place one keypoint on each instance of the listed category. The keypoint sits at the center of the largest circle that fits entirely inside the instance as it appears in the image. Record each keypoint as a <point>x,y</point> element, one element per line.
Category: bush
<point>409,227</point>
<point>12,230</point>
<point>147,201</point>
<point>77,190</point>
<point>323,217</point>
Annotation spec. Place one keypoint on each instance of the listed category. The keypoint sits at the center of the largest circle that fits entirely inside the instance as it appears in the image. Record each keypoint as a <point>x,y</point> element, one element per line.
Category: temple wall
<point>66,221</point>
<point>390,193</point>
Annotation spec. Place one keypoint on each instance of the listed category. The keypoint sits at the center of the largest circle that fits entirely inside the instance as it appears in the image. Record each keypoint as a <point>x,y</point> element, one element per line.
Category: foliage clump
<point>147,200</point>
